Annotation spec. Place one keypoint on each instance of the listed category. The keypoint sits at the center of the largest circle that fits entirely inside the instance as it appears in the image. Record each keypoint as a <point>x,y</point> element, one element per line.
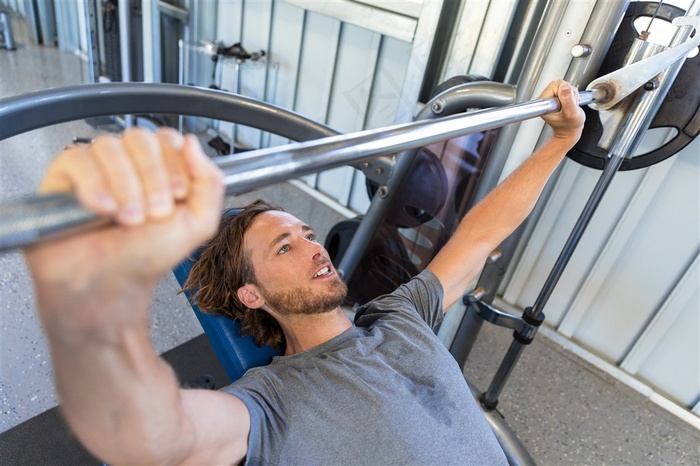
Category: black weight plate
<point>680,109</point>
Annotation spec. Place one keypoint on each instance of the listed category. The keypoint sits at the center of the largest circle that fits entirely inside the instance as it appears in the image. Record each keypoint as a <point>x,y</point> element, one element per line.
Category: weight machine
<point>30,220</point>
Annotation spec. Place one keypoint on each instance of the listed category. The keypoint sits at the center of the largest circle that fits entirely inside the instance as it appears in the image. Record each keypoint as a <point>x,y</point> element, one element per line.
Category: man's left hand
<point>567,123</point>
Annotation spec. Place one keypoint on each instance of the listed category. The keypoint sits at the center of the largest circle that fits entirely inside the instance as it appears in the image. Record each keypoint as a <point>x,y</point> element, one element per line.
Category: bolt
<point>651,85</point>
<point>494,256</point>
<point>383,191</point>
<point>478,293</point>
<point>581,50</point>
<point>379,170</point>
<point>364,165</point>
<point>437,107</point>
<point>608,89</point>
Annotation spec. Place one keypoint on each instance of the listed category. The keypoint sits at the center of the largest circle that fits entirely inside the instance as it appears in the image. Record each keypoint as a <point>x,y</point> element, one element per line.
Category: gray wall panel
<point>388,82</point>
<point>653,260</point>
<point>285,49</point>
<point>229,20</point>
<point>316,69</point>
<point>357,58</point>
<point>257,18</point>
<point>680,345</point>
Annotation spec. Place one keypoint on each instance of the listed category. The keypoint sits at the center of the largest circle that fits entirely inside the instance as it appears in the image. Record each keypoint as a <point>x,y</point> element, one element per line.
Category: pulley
<point>680,110</point>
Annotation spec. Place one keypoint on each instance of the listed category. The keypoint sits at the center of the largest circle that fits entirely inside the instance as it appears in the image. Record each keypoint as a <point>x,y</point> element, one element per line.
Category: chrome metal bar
<point>265,166</point>
<point>525,38</point>
<point>24,225</point>
<point>124,9</point>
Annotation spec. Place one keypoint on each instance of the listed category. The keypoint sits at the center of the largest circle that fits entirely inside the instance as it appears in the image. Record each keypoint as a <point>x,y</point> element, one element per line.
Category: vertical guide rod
<point>490,398</point>
<point>626,142</point>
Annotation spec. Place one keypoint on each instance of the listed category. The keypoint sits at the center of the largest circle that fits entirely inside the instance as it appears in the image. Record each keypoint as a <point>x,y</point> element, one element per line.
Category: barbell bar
<point>39,218</point>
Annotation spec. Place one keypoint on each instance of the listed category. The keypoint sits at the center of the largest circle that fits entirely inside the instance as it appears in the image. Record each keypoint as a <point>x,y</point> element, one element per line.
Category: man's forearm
<point>119,397</point>
<point>495,218</point>
<point>94,290</point>
<point>505,208</point>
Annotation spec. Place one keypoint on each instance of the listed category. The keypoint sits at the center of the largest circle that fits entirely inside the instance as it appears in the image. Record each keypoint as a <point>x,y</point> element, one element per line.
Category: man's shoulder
<point>424,282</point>
<point>421,296</point>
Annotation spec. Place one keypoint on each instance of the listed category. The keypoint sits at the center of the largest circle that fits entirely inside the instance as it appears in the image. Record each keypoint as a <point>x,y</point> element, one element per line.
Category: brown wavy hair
<point>223,267</point>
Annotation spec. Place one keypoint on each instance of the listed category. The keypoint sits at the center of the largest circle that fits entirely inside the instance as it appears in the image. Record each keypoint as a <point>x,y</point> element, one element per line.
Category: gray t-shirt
<point>386,391</point>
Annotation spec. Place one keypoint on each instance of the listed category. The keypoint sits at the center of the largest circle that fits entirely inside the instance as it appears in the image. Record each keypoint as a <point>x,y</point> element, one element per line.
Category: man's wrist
<point>564,142</point>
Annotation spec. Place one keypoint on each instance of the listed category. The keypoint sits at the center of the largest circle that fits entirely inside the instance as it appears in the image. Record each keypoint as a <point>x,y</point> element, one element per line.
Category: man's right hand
<point>94,292</point>
<point>164,196</point>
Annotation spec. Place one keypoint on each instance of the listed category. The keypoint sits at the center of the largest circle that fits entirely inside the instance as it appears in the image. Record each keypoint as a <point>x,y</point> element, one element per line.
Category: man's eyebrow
<point>286,235</point>
<point>278,239</point>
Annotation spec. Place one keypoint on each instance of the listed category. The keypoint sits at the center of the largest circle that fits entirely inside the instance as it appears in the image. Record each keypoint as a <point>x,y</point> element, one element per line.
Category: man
<point>382,391</point>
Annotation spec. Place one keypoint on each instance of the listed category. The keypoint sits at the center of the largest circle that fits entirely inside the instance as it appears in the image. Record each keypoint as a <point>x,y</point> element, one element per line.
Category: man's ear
<point>250,296</point>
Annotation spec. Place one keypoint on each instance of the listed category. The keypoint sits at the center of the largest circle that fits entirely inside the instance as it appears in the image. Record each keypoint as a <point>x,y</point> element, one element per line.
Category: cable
<point>646,32</point>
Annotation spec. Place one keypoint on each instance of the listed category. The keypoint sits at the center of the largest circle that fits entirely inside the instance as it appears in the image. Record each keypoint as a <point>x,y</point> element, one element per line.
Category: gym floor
<point>565,410</point>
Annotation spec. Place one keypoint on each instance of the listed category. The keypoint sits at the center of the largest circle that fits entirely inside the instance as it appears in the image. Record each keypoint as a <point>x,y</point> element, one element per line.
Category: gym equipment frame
<point>41,217</point>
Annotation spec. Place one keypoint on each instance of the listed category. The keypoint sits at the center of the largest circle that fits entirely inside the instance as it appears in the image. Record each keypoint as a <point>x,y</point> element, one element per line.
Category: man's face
<point>293,272</point>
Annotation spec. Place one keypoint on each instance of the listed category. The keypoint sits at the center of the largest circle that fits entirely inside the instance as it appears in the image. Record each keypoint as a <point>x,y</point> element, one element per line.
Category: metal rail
<point>38,218</point>
<point>34,110</point>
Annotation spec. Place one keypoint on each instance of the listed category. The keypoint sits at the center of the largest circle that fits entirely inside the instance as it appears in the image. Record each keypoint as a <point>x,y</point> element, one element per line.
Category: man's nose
<point>317,252</point>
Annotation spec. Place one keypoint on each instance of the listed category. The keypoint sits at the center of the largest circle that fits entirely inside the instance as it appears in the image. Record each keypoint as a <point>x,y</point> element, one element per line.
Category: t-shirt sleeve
<point>262,397</point>
<point>422,294</point>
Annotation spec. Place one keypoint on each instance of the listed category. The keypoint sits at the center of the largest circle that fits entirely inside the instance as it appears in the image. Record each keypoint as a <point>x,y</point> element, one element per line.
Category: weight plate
<point>680,109</point>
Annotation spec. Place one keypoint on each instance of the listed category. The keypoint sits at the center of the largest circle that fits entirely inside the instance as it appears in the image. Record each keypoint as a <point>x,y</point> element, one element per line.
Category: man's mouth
<point>324,271</point>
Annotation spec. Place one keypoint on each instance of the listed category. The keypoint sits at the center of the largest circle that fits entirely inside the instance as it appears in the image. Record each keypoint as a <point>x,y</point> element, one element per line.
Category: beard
<point>301,301</point>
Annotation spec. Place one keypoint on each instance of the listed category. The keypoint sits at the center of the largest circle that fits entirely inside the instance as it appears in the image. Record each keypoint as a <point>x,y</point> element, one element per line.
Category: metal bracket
<point>492,315</point>
<point>378,169</point>
<point>625,81</point>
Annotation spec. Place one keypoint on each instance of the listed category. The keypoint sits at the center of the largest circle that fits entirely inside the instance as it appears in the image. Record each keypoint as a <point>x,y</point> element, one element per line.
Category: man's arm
<point>494,218</point>
<point>93,295</point>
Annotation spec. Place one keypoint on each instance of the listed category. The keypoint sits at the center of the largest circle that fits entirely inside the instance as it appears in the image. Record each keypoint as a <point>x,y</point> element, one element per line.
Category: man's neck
<point>303,332</point>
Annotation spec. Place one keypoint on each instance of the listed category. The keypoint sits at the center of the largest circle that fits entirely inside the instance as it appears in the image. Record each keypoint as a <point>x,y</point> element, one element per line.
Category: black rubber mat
<point>46,439</point>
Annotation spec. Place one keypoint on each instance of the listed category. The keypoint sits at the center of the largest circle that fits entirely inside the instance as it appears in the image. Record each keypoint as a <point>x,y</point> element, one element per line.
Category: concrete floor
<point>564,410</point>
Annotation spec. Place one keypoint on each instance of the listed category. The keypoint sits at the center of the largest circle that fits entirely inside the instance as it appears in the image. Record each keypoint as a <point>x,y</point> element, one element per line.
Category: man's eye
<point>311,237</point>
<point>283,249</point>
